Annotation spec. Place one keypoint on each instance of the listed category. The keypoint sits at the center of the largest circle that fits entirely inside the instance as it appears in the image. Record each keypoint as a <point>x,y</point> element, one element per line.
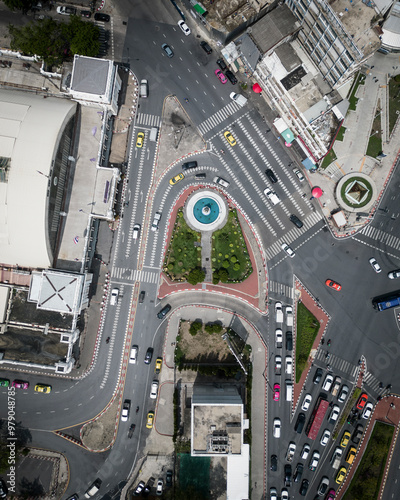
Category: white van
<point>114,296</point>
<point>93,488</point>
<point>289,390</point>
<point>153,134</point>
<point>238,98</point>
<point>144,88</point>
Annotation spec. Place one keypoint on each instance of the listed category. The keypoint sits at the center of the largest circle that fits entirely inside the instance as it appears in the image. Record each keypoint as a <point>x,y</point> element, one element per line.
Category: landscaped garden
<point>375,140</point>
<point>394,102</point>
<point>356,192</point>
<point>307,330</point>
<point>184,252</point>
<point>368,476</point>
<point>329,158</point>
<point>230,259</point>
<point>353,100</point>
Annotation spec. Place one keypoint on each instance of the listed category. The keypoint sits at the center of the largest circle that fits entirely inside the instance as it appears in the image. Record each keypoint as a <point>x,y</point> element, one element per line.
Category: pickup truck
<point>289,316</point>
<point>291,451</point>
<point>336,458</point>
<point>156,221</point>
<point>278,312</point>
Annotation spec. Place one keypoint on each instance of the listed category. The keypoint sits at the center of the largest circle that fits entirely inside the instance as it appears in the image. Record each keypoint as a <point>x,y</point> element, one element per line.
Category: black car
<point>147,488</point>
<point>300,423</point>
<point>206,47</point>
<point>149,355</point>
<point>304,487</point>
<point>271,176</point>
<point>142,296</point>
<point>189,164</point>
<point>231,77</point>
<point>289,341</point>
<point>298,472</point>
<point>357,435</point>
<point>317,376</point>
<point>221,64</point>
<point>99,16</point>
<point>296,221</point>
<point>288,475</point>
<point>200,176</point>
<point>274,463</point>
<point>164,311</point>
<point>168,478</point>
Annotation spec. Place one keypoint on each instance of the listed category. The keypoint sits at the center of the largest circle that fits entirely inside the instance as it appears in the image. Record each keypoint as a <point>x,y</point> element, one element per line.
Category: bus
<point>317,417</point>
<point>386,301</point>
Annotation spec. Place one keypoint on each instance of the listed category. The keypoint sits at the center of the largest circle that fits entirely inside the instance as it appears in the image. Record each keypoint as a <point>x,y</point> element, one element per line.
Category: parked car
<point>357,434</point>
<point>277,392</point>
<point>158,366</point>
<point>345,439</point>
<point>298,472</point>
<point>288,475</point>
<point>274,463</point>
<point>168,478</point>
<point>231,77</point>
<point>66,11</point>
<point>367,410</point>
<point>99,16</point>
<point>323,486</point>
<point>299,175</point>
<point>305,451</point>
<point>221,181</point>
<point>20,384</point>
<point>154,389</point>
<point>362,401</point>
<point>341,475</point>
<point>221,64</point>
<point>46,389</point>
<point>271,175</point>
<point>139,488</point>
<point>189,164</point>
<point>314,460</point>
<point>159,488</point>
<point>394,274</point>
<point>286,248</point>
<point>344,392</point>
<point>334,414</point>
<point>317,376</point>
<point>325,437</point>
<point>327,382</point>
<point>306,402</point>
<point>150,420</point>
<point>184,27</point>
<point>304,487</point>
<point>296,221</point>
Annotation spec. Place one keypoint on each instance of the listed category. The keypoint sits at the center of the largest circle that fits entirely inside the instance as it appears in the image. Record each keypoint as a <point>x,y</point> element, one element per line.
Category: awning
<point>257,89</point>
<point>288,135</point>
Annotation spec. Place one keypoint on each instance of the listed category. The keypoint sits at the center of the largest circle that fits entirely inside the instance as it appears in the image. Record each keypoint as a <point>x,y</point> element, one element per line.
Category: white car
<point>334,414</point>
<point>367,410</point>
<point>300,176</point>
<point>133,356</point>
<point>306,402</point>
<point>314,460</point>
<point>125,410</point>
<point>159,488</point>
<point>277,428</point>
<point>278,363</point>
<point>66,11</point>
<point>394,274</point>
<point>284,494</point>
<point>289,250</point>
<point>278,337</point>
<point>305,451</point>
<point>156,221</point>
<point>154,389</point>
<point>325,437</point>
<point>290,451</point>
<point>376,267</point>
<point>273,494</point>
<point>343,394</point>
<point>288,365</point>
<point>221,181</point>
<point>136,232</point>
<point>272,196</point>
<point>184,27</point>
<point>326,386</point>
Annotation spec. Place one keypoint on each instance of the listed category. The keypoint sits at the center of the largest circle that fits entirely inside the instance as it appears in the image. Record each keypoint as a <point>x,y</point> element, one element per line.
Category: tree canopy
<point>23,5</point>
<point>54,41</point>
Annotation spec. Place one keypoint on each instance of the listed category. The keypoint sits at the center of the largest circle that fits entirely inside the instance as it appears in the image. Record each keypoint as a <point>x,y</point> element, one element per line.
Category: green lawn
<point>368,477</point>
<point>329,158</point>
<point>359,80</point>
<point>182,255</point>
<point>341,132</point>
<point>229,252</point>
<point>374,146</point>
<point>307,329</point>
<point>394,101</point>
<point>362,181</point>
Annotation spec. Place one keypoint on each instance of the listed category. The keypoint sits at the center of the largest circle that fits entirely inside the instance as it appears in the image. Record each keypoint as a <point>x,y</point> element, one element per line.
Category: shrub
<point>225,264</point>
<point>233,259</point>
<point>196,275</point>
<point>195,327</point>
<point>223,275</point>
<point>236,266</point>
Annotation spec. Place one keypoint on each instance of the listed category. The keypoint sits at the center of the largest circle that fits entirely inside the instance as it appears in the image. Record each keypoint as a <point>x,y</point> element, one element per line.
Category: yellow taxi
<point>158,365</point>
<point>43,388</point>
<point>341,475</point>
<point>140,140</point>
<point>176,179</point>
<point>229,137</point>
<point>345,439</point>
<point>150,420</point>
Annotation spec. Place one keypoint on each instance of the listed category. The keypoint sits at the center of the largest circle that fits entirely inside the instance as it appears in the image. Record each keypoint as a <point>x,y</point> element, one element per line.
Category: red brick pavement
<point>322,316</point>
<point>383,412</point>
<point>248,290</point>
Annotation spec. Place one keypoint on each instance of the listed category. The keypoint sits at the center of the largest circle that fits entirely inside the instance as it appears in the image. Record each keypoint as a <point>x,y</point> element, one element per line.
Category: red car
<point>221,76</point>
<point>20,384</point>
<point>277,392</point>
<point>361,401</point>
<point>334,285</point>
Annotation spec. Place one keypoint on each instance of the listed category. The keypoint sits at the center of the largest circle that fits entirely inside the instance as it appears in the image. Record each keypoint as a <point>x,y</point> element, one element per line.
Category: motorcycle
<point>107,340</point>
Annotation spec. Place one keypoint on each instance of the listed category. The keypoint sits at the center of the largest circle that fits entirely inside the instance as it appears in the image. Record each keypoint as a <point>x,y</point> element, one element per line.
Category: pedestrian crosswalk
<point>337,363</point>
<point>383,237</point>
<point>281,289</point>
<point>372,382</point>
<point>334,172</point>
<point>292,235</point>
<point>134,275</point>
<point>146,120</point>
<point>218,117</point>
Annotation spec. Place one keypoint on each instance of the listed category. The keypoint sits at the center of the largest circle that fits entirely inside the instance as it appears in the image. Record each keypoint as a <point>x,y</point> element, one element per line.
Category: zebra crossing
<point>338,364</point>
<point>143,276</point>
<point>381,236</point>
<point>292,235</point>
<point>372,382</point>
<point>218,117</point>
<point>146,120</point>
<point>281,289</point>
<point>334,172</point>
